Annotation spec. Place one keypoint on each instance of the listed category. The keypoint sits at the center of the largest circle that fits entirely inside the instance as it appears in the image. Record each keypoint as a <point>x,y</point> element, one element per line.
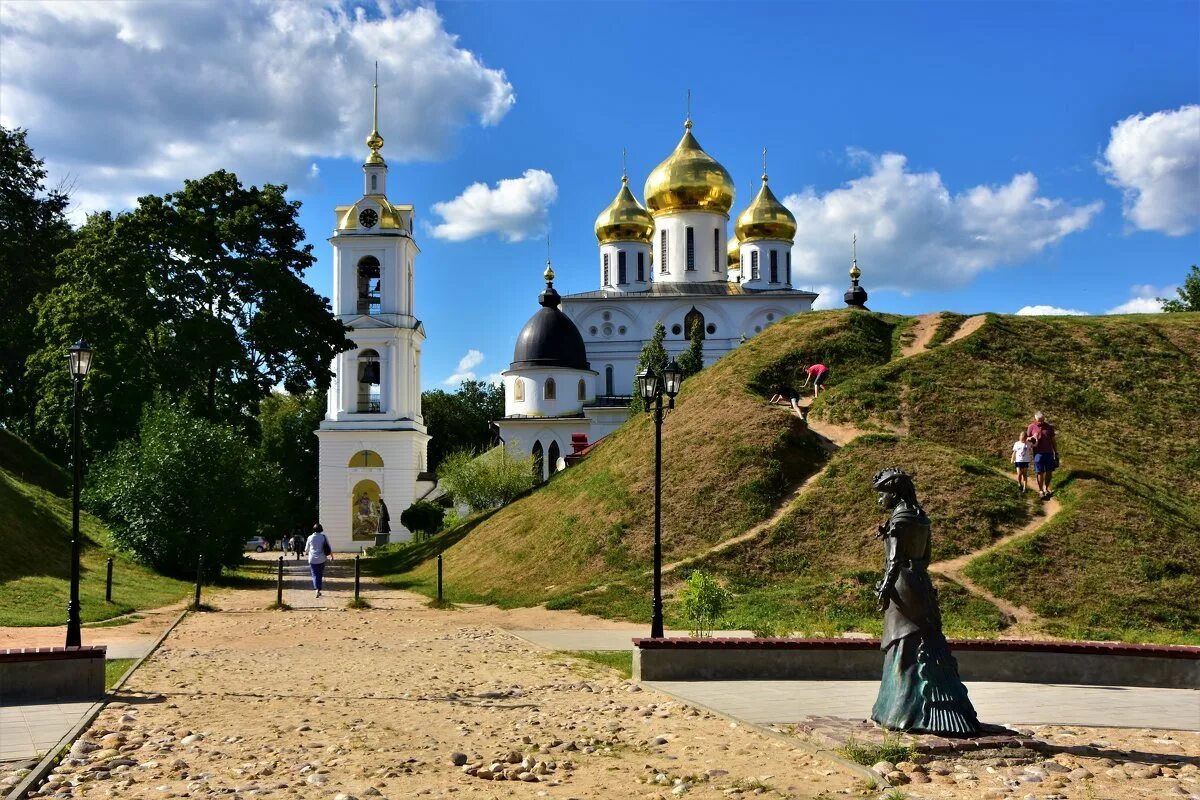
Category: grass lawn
<point>1120,562</point>
<point>114,669</point>
<point>619,660</point>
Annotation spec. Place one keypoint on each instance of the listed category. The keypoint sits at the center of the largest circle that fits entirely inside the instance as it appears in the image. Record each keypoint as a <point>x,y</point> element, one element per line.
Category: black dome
<point>856,297</point>
<point>550,338</point>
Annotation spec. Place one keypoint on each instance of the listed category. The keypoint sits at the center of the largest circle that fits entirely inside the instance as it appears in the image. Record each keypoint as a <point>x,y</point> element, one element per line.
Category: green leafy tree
<point>185,487</point>
<point>486,481</point>
<point>1188,295</point>
<point>288,424</point>
<point>692,360</point>
<point>460,420</point>
<point>423,518</point>
<point>33,231</point>
<point>702,601</point>
<point>654,356</point>
<point>197,295</point>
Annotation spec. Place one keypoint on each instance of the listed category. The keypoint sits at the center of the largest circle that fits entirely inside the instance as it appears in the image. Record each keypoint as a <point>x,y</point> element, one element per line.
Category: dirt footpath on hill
<point>402,703</point>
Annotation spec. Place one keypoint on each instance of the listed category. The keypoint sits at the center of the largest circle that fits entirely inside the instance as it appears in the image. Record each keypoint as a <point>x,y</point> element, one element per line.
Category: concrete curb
<point>38,774</point>
<point>858,770</point>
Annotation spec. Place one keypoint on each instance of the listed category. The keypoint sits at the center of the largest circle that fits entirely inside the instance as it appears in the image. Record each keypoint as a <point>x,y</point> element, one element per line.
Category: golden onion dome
<point>765,218</point>
<point>733,253</point>
<point>624,220</point>
<point>689,180</point>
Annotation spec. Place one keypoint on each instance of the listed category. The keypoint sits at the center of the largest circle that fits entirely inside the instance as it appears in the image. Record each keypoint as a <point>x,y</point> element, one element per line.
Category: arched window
<point>369,285</point>
<point>641,266</point>
<point>788,268</point>
<point>552,457</point>
<point>691,250</point>
<point>519,390</point>
<point>374,182</point>
<point>604,280</point>
<point>582,390</point>
<point>366,459</point>
<point>539,472</point>
<point>621,269</point>
<point>691,321</point>
<point>774,266</point>
<point>368,382</point>
<point>753,265</point>
<point>663,255</point>
<point>608,379</point>
<point>716,249</point>
<point>550,391</point>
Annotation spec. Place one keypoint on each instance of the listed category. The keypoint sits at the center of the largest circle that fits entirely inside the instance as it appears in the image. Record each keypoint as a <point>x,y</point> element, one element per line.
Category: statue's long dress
<point>920,690</point>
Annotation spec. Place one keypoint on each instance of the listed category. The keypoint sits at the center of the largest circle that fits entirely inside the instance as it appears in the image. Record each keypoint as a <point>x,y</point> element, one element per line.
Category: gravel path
<point>405,701</point>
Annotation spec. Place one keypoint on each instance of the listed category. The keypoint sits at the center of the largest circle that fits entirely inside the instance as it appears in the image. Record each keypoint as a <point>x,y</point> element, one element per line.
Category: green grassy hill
<point>35,537</point>
<point>1121,560</point>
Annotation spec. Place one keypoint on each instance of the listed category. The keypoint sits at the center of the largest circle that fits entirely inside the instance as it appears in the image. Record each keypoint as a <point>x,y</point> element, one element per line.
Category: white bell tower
<point>373,438</point>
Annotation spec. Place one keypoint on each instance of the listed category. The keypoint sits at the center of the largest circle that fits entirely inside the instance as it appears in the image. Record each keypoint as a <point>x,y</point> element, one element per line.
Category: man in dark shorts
<point>817,373</point>
<point>784,394</point>
<point>1045,452</point>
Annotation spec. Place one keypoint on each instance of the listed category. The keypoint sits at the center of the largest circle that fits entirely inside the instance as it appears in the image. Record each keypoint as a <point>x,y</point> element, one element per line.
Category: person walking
<point>318,551</point>
<point>298,543</point>
<point>1022,454</point>
<point>1045,452</point>
<point>818,373</point>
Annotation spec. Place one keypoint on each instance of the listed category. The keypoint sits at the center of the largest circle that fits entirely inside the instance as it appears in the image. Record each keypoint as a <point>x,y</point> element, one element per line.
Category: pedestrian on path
<point>298,543</point>
<point>1022,454</point>
<point>318,551</point>
<point>818,373</point>
<point>1045,452</point>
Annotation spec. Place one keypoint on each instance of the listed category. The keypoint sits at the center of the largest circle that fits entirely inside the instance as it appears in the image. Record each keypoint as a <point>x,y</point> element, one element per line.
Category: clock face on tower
<point>368,218</point>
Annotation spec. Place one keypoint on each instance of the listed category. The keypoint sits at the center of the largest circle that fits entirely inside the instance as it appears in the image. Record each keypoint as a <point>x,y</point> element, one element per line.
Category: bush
<point>186,487</point>
<point>423,518</point>
<point>486,481</point>
<point>702,602</point>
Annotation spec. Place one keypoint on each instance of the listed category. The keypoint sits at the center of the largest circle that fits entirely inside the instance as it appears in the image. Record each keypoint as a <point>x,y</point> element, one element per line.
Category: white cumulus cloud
<point>1155,161</point>
<point>1144,300</point>
<point>1049,311</point>
<point>913,233</point>
<point>515,209</point>
<point>466,368</point>
<point>131,97</point>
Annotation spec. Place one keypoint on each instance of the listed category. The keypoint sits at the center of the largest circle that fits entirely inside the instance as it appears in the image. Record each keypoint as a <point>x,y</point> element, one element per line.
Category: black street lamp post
<point>79,357</point>
<point>652,388</point>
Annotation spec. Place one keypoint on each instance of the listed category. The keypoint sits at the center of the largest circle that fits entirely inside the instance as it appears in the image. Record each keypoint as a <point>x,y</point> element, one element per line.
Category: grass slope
<point>1122,560</point>
<point>35,535</point>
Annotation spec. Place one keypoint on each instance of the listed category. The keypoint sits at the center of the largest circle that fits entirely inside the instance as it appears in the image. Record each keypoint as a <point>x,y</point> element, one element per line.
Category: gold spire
<point>624,219</point>
<point>765,217</point>
<point>855,272</point>
<point>375,141</point>
<point>689,180</point>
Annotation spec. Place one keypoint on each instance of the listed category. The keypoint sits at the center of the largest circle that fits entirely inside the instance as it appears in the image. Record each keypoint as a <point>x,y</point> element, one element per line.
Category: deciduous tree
<point>1188,295</point>
<point>460,420</point>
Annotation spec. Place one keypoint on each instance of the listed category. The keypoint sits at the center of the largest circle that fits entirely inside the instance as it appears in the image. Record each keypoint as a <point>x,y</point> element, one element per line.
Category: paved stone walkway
<point>766,702</point>
<point>29,731</point>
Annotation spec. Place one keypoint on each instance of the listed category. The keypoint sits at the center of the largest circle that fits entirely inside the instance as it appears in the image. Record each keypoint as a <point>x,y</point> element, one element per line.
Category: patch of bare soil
<point>969,326</point>
<point>404,701</point>
<point>924,329</point>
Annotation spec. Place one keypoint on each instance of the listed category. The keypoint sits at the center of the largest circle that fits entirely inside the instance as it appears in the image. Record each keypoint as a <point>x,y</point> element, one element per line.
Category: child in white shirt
<point>1022,454</point>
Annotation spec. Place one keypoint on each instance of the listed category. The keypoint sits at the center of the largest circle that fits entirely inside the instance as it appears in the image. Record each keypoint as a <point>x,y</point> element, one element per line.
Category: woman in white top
<point>317,550</point>
<point>1022,454</point>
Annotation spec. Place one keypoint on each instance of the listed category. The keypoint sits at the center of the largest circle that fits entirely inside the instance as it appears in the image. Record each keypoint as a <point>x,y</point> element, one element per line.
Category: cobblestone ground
<point>406,702</point>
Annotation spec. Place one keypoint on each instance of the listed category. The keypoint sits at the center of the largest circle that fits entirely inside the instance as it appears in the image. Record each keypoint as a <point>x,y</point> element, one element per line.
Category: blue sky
<point>988,156</point>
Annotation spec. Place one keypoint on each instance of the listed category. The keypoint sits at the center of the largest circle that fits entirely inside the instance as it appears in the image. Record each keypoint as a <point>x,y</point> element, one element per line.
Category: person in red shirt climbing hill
<point>818,374</point>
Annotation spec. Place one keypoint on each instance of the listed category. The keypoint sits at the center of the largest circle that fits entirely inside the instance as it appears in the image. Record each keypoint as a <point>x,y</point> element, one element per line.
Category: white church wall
<point>535,403</point>
<point>709,261</point>
<point>612,251</point>
<point>761,250</point>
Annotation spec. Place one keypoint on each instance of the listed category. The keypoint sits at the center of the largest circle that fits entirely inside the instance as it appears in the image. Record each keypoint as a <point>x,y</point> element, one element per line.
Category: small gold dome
<point>733,253</point>
<point>855,272</point>
<point>624,220</point>
<point>765,218</point>
<point>689,179</point>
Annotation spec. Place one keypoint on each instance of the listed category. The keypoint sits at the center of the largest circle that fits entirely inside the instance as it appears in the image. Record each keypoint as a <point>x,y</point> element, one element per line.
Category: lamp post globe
<point>647,385</point>
<point>79,361</point>
<point>672,378</point>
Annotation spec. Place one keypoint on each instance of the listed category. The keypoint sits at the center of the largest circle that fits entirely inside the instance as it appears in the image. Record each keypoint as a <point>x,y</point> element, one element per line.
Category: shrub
<point>186,487</point>
<point>486,481</point>
<point>423,518</point>
<point>702,602</point>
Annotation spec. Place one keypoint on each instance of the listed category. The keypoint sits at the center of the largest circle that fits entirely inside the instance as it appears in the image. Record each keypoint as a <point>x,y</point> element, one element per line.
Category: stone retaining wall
<point>1084,663</point>
<point>51,674</point>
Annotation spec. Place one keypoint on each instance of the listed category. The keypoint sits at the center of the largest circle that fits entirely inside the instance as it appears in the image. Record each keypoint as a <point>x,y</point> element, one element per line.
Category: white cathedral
<point>373,440</point>
<point>670,261</point>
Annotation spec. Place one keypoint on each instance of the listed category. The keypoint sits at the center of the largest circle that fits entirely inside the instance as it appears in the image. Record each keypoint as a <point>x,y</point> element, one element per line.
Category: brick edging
<point>977,645</point>
<point>18,654</point>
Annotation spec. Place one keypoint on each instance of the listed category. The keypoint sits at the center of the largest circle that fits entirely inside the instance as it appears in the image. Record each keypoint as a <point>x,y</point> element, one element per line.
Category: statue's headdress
<point>893,480</point>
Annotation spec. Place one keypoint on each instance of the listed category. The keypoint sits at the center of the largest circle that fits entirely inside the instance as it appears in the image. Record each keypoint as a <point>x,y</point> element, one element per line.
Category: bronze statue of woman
<point>920,690</point>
